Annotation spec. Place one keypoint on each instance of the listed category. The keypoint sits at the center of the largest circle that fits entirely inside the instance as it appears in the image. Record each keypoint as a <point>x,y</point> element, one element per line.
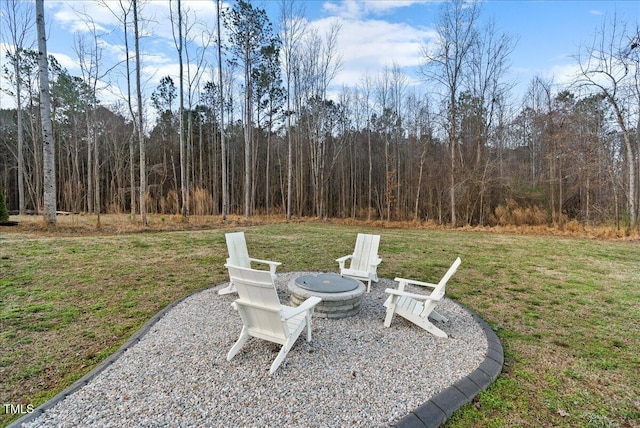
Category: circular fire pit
<point>341,295</point>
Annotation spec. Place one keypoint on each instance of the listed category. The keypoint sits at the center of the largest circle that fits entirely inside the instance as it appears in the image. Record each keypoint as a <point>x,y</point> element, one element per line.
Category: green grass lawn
<point>566,309</point>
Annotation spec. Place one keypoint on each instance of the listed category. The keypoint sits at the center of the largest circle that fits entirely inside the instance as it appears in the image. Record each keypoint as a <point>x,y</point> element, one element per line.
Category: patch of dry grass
<point>122,224</point>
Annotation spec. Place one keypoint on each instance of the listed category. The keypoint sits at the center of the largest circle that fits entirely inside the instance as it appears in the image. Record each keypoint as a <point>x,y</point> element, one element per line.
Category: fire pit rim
<point>327,283</point>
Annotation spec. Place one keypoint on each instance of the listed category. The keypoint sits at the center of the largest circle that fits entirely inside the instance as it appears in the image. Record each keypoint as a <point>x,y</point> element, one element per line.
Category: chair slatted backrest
<point>237,248</point>
<point>439,290</point>
<point>365,252</point>
<point>259,304</point>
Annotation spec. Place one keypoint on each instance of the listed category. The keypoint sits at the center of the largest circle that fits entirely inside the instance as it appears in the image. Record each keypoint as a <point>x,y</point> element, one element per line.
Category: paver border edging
<point>435,411</point>
<point>431,414</point>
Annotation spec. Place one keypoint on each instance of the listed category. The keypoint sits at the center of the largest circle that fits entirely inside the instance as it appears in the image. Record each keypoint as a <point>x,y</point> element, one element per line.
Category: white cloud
<point>562,74</point>
<point>66,61</point>
<point>357,9</point>
<point>6,101</point>
<point>386,6</point>
<point>348,9</point>
<point>197,13</point>
<point>370,45</point>
<point>82,16</point>
<point>153,73</point>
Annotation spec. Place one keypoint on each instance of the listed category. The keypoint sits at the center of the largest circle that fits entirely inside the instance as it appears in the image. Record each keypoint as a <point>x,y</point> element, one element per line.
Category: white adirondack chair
<point>417,308</point>
<point>364,260</point>
<point>262,314</point>
<point>239,256</point>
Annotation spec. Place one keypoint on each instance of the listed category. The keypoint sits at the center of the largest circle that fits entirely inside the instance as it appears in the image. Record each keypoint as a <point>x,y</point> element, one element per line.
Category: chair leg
<point>434,330</point>
<point>244,336</point>
<point>369,285</point>
<point>309,315</point>
<point>231,288</point>
<point>438,317</point>
<point>280,358</point>
<point>391,311</point>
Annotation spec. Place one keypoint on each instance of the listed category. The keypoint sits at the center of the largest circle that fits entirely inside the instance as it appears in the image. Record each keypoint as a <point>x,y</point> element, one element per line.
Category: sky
<point>374,34</point>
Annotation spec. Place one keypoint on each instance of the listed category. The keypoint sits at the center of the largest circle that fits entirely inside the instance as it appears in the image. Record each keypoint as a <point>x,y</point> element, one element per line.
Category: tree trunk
<point>21,199</point>
<point>247,137</point>
<point>200,155</point>
<point>370,181</point>
<point>89,164</point>
<point>143,163</point>
<point>267,199</point>
<point>388,175</point>
<point>18,20</point>
<point>423,158</point>
<point>96,177</point>
<point>452,154</point>
<point>223,145</point>
<point>184,188</point>
<point>630,164</point>
<point>132,141</point>
<point>289,151</point>
<point>48,151</point>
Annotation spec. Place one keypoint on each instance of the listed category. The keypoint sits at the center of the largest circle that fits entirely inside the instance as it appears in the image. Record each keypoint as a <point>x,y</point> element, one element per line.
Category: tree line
<point>253,125</point>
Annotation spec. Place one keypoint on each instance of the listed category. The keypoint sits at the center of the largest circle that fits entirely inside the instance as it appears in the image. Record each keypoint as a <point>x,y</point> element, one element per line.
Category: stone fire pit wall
<point>333,305</point>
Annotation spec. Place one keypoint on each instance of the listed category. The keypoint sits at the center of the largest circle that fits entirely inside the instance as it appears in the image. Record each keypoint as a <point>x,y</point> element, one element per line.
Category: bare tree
<point>398,87</point>
<point>18,22</point>
<point>609,67</point>
<point>446,64</point>
<point>186,28</point>
<point>45,115</point>
<point>385,124</point>
<point>321,63</point>
<point>424,135</point>
<point>366,88</point>
<point>33,167</point>
<point>123,17</point>
<point>292,28</point>
<point>90,58</point>
<point>487,90</point>
<point>139,118</point>
<point>488,65</point>
<point>223,145</point>
<point>178,39</point>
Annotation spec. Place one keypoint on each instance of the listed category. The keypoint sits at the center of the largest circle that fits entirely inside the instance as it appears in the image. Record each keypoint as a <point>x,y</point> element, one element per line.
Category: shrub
<point>4,214</point>
<point>201,201</point>
<point>171,205</point>
<point>515,215</point>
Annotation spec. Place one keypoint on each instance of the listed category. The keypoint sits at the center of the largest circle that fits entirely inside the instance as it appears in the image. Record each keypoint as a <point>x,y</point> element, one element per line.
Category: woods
<point>253,124</point>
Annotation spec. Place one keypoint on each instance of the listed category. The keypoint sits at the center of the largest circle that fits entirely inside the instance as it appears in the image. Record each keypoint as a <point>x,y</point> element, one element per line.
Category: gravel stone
<point>354,372</point>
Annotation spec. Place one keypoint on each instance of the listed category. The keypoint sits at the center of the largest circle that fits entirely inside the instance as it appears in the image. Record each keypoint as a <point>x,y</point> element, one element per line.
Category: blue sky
<point>373,34</point>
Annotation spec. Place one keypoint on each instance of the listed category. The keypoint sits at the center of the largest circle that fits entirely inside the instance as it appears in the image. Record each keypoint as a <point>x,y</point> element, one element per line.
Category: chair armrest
<point>308,304</point>
<point>343,259</point>
<point>411,295</point>
<point>376,262</point>
<point>266,262</point>
<point>411,281</point>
